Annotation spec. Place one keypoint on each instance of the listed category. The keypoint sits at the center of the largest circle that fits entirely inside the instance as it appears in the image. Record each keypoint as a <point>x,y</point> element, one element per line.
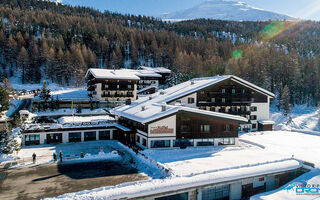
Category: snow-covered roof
<point>146,73</point>
<point>158,186</point>
<point>157,69</point>
<point>24,112</point>
<point>266,122</point>
<point>147,88</point>
<point>149,108</point>
<point>127,74</point>
<point>113,74</point>
<point>87,119</point>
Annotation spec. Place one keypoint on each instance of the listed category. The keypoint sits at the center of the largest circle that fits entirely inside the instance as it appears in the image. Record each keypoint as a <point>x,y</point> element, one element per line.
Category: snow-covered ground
<point>17,85</point>
<point>304,118</point>
<point>260,152</point>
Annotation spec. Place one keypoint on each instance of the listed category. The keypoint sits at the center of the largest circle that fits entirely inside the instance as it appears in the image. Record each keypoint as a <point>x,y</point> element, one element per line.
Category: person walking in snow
<point>34,156</point>
<point>61,155</point>
<point>54,157</point>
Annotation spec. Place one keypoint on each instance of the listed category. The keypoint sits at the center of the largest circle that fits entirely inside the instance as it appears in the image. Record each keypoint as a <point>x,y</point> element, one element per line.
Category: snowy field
<point>202,160</point>
<point>304,118</point>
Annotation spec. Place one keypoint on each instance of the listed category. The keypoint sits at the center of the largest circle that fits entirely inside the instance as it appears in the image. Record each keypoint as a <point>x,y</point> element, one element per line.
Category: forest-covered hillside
<point>44,40</point>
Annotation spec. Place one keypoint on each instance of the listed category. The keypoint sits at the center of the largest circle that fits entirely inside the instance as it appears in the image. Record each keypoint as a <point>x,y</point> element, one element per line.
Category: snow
<point>68,94</point>
<point>264,152</point>
<point>156,69</point>
<point>304,118</point>
<point>69,111</point>
<point>17,85</point>
<point>93,151</point>
<point>225,10</point>
<point>266,122</point>
<point>286,143</point>
<point>309,178</point>
<point>91,119</point>
<point>113,74</point>
<point>149,187</point>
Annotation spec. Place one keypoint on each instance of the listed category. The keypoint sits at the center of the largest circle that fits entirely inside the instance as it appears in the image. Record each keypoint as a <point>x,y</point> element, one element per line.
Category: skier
<point>54,157</point>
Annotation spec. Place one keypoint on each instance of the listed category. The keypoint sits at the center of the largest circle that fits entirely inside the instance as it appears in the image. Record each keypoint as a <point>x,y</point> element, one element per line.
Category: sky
<point>304,9</point>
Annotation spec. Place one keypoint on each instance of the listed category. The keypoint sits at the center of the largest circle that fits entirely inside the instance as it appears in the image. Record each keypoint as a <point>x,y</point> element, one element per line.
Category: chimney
<point>150,97</point>
<point>161,92</point>
<point>192,82</point>
<point>163,108</point>
<point>143,108</point>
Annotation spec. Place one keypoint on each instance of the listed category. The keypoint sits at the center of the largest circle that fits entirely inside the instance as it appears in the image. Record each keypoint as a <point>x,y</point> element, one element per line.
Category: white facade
<point>165,130</point>
<point>65,134</point>
<point>185,101</point>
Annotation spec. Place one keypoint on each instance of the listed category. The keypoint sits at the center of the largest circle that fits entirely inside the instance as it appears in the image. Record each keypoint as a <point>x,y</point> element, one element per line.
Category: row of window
<point>204,128</point>
<point>186,142</point>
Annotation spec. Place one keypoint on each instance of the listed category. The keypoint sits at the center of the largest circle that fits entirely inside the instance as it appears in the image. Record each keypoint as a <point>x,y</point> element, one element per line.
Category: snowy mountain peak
<point>225,10</point>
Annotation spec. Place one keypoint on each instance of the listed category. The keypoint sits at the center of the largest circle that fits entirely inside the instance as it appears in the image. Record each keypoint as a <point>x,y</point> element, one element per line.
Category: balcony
<point>117,95</point>
<point>234,103</point>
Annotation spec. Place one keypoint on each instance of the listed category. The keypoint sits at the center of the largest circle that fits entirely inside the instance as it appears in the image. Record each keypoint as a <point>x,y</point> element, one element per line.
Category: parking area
<point>35,182</point>
<point>48,179</point>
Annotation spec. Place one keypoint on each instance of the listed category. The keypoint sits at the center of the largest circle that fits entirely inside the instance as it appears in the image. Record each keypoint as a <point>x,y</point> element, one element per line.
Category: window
<point>185,128</point>
<point>160,143</point>
<point>218,192</point>
<point>129,86</point>
<point>223,91</point>
<point>226,141</point>
<point>183,142</point>
<point>104,135</point>
<point>182,196</point>
<point>227,127</point>
<point>223,100</point>
<point>206,142</point>
<point>254,126</point>
<point>213,100</point>
<point>144,142</point>
<point>90,136</point>
<point>32,139</point>
<point>205,128</point>
<point>253,108</point>
<point>252,99</point>
<point>138,139</point>
<point>190,100</point>
<point>261,179</point>
<point>75,137</point>
<point>233,91</point>
<point>253,117</point>
<point>118,86</point>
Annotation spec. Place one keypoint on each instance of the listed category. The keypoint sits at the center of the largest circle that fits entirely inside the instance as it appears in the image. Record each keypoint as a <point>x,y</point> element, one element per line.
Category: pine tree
<point>285,101</point>
<point>4,99</point>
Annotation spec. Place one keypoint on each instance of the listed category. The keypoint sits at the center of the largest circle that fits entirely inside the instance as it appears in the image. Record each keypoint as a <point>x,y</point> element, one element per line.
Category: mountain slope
<point>225,10</point>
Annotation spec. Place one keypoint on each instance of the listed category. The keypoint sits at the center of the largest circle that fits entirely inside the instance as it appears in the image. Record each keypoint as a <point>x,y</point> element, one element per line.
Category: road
<point>37,182</point>
<point>25,104</point>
